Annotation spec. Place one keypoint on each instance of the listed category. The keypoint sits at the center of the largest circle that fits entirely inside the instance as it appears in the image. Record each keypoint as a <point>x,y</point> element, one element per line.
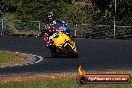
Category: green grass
<point>67,83</point>
<point>11,57</point>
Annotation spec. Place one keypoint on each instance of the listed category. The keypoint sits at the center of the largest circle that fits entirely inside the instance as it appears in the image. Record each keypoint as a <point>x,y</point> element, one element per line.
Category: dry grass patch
<point>11,57</point>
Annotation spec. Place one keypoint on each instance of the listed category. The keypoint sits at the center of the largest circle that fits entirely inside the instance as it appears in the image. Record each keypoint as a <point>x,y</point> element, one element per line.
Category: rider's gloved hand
<point>47,45</point>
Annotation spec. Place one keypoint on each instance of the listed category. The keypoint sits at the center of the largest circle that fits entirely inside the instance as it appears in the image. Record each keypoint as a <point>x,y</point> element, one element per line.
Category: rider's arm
<point>46,37</point>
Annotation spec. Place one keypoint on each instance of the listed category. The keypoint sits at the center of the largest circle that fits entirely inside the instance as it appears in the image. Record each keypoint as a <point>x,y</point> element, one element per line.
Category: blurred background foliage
<point>73,11</point>
<point>86,18</point>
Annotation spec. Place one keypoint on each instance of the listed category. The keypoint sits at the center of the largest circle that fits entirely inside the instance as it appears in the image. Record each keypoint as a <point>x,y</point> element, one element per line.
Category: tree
<point>37,9</point>
<point>124,11</point>
<point>102,5</point>
<point>3,7</point>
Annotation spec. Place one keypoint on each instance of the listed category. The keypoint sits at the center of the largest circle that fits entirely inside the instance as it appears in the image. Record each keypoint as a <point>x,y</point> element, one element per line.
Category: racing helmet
<point>50,15</point>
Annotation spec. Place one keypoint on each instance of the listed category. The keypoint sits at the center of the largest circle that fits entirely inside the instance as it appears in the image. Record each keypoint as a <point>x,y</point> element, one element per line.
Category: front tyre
<point>70,51</point>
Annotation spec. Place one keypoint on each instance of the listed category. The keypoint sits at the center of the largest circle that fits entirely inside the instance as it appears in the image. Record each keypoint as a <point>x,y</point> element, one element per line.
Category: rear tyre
<point>53,50</point>
<point>53,54</point>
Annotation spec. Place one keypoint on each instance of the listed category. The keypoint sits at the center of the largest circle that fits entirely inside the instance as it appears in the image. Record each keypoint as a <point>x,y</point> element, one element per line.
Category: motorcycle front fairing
<point>61,40</point>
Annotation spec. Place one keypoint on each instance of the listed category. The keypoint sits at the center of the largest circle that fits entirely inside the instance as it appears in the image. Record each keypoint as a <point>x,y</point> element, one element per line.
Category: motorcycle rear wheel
<point>53,50</point>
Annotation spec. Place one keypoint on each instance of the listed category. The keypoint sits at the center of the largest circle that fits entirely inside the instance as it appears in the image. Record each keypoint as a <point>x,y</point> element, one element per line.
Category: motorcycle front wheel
<point>70,51</point>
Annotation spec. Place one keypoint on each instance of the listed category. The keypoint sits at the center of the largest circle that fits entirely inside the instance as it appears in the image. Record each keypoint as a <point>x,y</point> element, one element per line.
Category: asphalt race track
<point>94,55</point>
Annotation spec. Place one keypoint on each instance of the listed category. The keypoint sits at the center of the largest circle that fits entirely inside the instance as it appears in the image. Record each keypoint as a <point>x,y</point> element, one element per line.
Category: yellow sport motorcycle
<point>63,45</point>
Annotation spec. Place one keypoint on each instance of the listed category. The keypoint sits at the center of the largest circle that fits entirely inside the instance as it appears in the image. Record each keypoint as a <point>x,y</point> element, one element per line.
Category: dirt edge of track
<point>27,77</point>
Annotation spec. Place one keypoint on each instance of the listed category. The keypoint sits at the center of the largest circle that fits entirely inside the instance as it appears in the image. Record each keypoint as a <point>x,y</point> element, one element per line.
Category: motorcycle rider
<point>54,25</point>
<point>47,34</point>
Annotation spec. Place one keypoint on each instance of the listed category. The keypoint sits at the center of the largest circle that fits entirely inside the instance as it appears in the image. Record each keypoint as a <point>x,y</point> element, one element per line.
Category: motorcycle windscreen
<point>61,39</point>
